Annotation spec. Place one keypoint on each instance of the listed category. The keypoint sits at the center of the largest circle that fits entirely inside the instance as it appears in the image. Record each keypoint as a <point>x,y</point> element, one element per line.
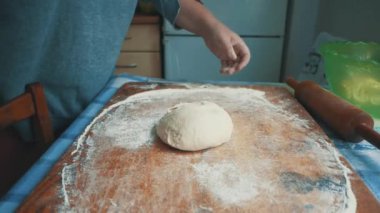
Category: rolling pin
<point>349,122</point>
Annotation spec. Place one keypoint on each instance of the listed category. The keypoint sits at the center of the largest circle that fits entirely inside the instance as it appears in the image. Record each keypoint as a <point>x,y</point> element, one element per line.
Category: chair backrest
<point>31,104</point>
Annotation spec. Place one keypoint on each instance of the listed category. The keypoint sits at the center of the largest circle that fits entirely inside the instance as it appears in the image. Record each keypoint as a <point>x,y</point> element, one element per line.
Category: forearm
<point>194,17</point>
<point>225,44</point>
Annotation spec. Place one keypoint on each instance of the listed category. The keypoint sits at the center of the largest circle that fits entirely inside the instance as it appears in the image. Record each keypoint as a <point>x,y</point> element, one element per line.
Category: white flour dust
<point>134,129</point>
<point>254,167</point>
<point>227,182</point>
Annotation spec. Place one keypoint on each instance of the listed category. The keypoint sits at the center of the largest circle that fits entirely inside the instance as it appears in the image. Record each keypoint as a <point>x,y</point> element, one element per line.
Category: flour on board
<point>320,180</point>
<point>227,182</point>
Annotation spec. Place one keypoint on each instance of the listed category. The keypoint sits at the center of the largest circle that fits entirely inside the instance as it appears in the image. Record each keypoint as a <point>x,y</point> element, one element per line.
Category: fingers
<point>244,55</point>
<point>231,54</point>
<point>229,62</point>
<point>228,67</point>
<point>235,64</point>
<point>230,48</point>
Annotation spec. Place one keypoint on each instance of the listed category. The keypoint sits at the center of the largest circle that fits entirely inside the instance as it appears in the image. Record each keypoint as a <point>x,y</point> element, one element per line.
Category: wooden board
<point>279,159</point>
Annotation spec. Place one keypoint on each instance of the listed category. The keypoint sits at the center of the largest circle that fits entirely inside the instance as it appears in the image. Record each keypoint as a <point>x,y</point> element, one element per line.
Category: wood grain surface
<point>102,175</point>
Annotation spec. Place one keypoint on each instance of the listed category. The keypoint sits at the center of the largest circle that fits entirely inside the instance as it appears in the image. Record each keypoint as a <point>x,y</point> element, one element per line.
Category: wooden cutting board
<point>278,160</point>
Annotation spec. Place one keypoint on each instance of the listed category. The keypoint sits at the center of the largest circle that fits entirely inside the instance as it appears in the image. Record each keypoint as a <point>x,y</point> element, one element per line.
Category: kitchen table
<point>363,157</point>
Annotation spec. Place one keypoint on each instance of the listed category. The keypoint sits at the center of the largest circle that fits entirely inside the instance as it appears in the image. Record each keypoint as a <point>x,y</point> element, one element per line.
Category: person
<point>71,47</point>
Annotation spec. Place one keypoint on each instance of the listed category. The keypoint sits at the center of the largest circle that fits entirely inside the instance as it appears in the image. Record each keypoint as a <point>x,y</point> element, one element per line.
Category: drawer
<point>187,58</point>
<point>139,63</point>
<point>142,37</point>
<point>254,17</point>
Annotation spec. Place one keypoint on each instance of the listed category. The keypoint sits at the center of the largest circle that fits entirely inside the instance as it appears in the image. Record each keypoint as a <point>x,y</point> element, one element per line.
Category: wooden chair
<point>31,104</point>
<point>16,156</point>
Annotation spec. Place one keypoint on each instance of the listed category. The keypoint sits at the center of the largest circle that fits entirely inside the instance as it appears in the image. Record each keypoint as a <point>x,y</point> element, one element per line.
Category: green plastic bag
<point>353,72</point>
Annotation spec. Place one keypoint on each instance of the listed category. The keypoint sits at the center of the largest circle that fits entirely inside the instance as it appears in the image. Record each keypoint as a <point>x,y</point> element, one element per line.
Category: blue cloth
<point>363,157</point>
<point>70,46</point>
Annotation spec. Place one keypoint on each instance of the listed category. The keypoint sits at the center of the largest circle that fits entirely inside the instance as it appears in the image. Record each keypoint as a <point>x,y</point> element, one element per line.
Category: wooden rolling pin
<point>348,121</point>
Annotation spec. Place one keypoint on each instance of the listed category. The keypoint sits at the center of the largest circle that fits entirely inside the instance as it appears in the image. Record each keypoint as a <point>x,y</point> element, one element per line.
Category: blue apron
<point>70,46</point>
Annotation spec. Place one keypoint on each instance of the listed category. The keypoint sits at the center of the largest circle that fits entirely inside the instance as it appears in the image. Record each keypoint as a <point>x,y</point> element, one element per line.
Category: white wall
<point>350,19</point>
<point>301,27</point>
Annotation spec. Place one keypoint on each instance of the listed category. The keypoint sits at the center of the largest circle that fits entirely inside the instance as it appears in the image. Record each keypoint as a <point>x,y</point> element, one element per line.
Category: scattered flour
<point>134,129</point>
<point>226,181</point>
<point>129,124</point>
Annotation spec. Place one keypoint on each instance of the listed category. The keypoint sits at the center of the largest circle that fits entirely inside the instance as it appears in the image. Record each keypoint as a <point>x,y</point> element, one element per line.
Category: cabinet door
<point>142,37</point>
<point>187,58</point>
<point>253,17</point>
<point>139,63</point>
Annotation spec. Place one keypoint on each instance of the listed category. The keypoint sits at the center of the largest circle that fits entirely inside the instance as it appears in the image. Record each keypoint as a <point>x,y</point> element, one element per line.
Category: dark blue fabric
<point>168,8</point>
<point>70,46</point>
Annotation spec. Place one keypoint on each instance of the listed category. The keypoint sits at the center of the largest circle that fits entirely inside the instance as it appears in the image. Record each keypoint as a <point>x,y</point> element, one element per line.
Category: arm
<point>225,44</point>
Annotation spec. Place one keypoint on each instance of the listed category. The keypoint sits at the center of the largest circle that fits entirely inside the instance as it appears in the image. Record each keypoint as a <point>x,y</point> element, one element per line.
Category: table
<point>363,157</point>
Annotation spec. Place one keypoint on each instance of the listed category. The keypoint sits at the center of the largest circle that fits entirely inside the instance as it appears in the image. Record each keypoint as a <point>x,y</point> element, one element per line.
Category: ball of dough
<point>195,126</point>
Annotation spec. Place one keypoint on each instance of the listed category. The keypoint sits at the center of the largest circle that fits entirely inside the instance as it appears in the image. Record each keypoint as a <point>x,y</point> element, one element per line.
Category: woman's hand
<point>227,46</point>
<point>231,50</point>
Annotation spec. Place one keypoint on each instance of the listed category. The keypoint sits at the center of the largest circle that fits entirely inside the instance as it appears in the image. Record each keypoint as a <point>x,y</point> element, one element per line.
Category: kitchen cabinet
<point>141,50</point>
<point>261,23</point>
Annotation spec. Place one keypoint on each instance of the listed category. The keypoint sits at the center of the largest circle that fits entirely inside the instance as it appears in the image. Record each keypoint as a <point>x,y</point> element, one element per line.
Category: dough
<point>195,126</point>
